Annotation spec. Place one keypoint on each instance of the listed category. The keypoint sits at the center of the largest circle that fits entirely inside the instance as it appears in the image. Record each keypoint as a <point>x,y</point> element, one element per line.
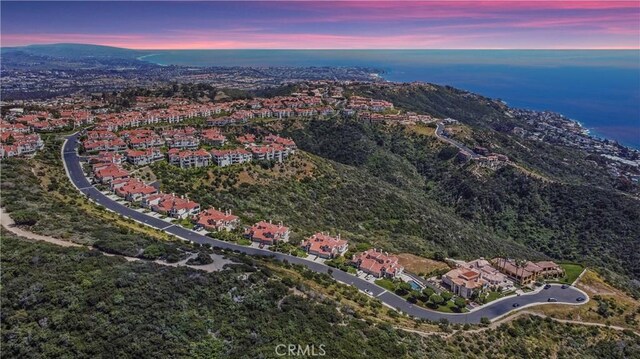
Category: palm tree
<point>520,264</point>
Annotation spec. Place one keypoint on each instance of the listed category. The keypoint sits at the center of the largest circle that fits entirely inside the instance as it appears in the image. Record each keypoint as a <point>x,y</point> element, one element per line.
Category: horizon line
<point>339,49</point>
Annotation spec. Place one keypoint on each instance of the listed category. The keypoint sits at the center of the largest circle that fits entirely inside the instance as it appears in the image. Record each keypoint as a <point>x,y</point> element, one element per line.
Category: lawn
<point>386,284</point>
<point>449,307</point>
<point>244,242</point>
<point>493,295</point>
<point>571,270</point>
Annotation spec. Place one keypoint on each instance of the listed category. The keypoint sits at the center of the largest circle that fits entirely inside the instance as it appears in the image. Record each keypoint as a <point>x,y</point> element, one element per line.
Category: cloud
<point>347,25</point>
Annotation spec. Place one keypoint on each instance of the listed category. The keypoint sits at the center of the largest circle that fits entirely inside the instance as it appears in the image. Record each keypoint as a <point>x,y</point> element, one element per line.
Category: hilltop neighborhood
<point>187,135</point>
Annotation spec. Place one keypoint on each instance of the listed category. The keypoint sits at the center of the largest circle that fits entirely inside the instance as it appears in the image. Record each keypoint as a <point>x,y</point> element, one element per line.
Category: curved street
<point>492,311</point>
<point>439,132</point>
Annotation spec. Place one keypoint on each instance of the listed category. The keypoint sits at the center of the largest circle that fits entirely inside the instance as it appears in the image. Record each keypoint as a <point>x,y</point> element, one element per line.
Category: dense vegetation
<point>563,220</point>
<point>61,302</point>
<point>39,196</point>
<point>391,212</point>
<point>578,215</point>
<point>406,191</point>
<point>492,129</point>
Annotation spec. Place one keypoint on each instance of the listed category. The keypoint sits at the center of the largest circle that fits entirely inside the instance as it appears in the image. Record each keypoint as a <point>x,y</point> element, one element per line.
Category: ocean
<point>598,88</point>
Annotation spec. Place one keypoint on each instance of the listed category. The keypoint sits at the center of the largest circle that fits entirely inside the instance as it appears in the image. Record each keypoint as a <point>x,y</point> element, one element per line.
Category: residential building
<point>144,157</point>
<point>268,233</point>
<point>222,121</point>
<point>377,263</point>
<point>133,190</point>
<point>106,157</point>
<point>183,142</point>
<point>216,220</point>
<point>527,272</point>
<point>325,246</point>
<point>269,152</point>
<point>213,137</point>
<point>171,205</point>
<point>286,142</point>
<point>246,140</point>
<point>187,158</point>
<point>232,156</point>
<point>107,173</point>
<point>464,281</point>
<point>116,144</point>
<point>143,142</point>
<point>490,274</point>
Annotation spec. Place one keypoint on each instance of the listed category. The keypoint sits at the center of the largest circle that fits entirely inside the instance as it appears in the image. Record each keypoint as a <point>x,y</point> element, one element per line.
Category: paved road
<point>495,310</point>
<point>461,147</point>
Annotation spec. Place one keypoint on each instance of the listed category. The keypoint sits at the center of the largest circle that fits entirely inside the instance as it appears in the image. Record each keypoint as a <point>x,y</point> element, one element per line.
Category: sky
<point>505,24</point>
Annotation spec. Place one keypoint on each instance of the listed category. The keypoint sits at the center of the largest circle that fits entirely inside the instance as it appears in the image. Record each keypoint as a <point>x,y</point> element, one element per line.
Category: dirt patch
<point>296,167</point>
<point>146,174</point>
<point>8,224</point>
<point>416,264</point>
<point>593,284</point>
<point>421,129</point>
<point>245,177</point>
<point>625,315</point>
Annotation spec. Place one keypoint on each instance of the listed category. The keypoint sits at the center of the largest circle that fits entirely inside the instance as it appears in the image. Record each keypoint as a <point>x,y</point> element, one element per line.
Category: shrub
<point>25,217</point>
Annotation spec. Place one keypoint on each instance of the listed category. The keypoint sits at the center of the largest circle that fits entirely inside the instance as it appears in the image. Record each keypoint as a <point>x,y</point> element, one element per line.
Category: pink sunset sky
<point>327,24</point>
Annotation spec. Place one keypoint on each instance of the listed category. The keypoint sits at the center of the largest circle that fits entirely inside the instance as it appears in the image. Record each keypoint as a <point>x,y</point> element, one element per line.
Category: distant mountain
<point>76,51</point>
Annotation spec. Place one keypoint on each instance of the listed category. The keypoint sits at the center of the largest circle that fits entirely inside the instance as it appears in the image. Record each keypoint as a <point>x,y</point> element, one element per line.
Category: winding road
<point>440,134</point>
<point>492,311</point>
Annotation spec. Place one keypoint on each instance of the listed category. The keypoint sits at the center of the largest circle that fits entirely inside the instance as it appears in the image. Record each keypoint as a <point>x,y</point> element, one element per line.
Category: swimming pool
<point>414,285</point>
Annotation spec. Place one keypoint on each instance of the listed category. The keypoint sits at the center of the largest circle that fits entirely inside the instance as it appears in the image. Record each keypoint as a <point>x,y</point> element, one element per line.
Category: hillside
<point>80,303</point>
<point>579,215</point>
<point>402,189</point>
<point>338,198</point>
<point>76,51</point>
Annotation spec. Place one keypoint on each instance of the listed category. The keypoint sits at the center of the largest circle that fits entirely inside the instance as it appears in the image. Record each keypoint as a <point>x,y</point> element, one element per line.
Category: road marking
<point>381,293</point>
<point>162,229</point>
<point>86,188</point>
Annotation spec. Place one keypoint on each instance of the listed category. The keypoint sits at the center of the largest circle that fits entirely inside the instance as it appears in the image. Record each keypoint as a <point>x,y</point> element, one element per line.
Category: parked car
<point>580,299</point>
<point>565,286</point>
<point>552,300</point>
<point>516,305</point>
<point>547,286</point>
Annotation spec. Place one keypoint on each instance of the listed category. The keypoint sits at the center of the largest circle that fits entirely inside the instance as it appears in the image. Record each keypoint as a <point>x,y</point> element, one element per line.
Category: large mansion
<point>324,246</point>
<point>268,233</point>
<point>377,263</point>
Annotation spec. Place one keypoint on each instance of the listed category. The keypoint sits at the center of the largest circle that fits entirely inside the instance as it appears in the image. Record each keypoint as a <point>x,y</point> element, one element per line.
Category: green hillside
<point>405,190</point>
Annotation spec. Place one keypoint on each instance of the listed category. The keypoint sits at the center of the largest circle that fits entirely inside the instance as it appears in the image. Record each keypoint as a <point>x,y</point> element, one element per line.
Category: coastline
<point>145,59</point>
<point>396,74</point>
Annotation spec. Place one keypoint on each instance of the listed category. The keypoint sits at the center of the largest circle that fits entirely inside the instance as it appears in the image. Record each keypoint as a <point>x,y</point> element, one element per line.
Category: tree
<point>403,289</point>
<point>427,292</point>
<point>153,251</point>
<point>25,217</point>
<point>436,299</point>
<point>446,296</point>
<point>460,303</point>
